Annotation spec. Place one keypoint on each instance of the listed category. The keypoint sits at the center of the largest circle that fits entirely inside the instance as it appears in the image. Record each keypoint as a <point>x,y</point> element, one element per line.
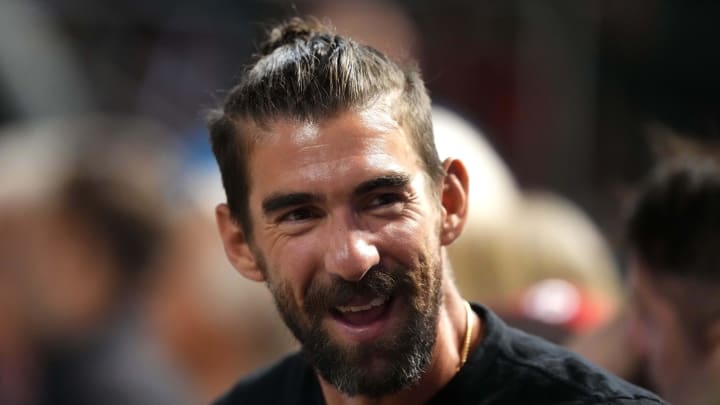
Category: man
<point>337,200</point>
<point>674,278</point>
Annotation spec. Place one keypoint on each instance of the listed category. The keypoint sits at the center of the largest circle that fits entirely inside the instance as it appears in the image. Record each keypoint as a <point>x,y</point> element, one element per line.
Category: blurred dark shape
<point>657,53</point>
<point>671,145</point>
<point>675,228</point>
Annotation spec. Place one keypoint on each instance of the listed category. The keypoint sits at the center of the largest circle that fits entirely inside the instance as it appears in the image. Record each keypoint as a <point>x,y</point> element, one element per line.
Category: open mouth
<point>364,318</point>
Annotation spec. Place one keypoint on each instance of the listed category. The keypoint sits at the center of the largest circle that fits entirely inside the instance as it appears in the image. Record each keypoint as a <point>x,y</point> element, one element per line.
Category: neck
<point>446,356</point>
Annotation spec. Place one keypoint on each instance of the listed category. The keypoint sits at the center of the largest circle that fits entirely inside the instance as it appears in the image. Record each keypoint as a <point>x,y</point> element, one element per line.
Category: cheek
<point>405,241</point>
<point>670,361</point>
<point>293,265</point>
<point>665,374</point>
<point>285,295</point>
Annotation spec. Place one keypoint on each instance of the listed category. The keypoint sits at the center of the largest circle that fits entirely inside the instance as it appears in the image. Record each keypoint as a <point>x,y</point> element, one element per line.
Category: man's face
<point>675,364</point>
<point>346,232</point>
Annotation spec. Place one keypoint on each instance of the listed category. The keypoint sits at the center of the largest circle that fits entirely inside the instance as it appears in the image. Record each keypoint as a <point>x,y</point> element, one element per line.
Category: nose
<point>350,253</point>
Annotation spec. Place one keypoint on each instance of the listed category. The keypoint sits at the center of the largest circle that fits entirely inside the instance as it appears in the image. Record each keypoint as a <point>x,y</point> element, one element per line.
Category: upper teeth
<point>372,304</point>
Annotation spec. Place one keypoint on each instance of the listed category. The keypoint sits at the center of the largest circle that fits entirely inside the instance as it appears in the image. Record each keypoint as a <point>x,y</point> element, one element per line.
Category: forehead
<point>349,147</point>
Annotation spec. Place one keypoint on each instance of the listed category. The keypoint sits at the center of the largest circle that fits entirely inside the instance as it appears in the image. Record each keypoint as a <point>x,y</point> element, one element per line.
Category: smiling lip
<point>364,320</point>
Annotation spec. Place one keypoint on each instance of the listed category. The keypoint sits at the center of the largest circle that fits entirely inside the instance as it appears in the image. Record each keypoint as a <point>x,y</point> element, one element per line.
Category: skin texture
<point>677,367</point>
<point>331,204</point>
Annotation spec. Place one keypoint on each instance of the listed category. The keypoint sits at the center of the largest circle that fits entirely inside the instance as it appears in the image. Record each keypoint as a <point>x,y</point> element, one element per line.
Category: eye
<point>386,203</point>
<point>300,214</point>
<point>385,199</point>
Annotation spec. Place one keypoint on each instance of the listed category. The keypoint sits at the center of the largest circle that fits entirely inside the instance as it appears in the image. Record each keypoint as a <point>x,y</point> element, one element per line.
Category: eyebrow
<point>394,180</point>
<point>277,202</point>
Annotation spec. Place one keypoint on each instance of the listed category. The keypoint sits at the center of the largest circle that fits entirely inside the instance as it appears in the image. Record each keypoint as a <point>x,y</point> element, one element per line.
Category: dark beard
<point>405,355</point>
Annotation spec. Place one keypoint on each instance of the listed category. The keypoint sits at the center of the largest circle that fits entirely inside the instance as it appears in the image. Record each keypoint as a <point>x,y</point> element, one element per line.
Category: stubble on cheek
<point>289,309</point>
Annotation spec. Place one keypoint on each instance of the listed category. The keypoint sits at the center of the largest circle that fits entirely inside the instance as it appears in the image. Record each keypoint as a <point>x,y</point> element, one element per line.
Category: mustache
<point>377,282</point>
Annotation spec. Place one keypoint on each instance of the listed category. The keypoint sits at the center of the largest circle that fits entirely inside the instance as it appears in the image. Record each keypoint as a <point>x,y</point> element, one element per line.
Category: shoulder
<point>556,371</point>
<point>290,380</point>
<point>517,365</point>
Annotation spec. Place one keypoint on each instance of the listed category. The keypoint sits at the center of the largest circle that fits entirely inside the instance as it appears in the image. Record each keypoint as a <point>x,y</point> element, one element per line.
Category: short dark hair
<point>306,72</point>
<point>674,230</point>
<point>675,227</point>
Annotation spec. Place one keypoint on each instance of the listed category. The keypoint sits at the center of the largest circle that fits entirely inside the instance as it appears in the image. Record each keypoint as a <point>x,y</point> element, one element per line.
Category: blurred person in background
<point>112,282</point>
<point>28,170</point>
<point>674,280</point>
<point>545,266</point>
<point>337,200</point>
<point>84,198</point>
<point>85,290</point>
<point>547,270</point>
<point>683,176</point>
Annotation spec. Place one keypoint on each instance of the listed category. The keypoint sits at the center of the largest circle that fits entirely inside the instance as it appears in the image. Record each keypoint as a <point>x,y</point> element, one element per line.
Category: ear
<point>454,200</point>
<point>236,245</point>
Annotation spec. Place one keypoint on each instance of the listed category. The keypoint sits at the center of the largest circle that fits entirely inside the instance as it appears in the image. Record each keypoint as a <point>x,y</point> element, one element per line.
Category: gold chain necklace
<point>468,335</point>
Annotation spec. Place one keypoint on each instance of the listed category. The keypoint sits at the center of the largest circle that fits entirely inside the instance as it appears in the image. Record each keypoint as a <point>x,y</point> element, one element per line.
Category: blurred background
<point>114,285</point>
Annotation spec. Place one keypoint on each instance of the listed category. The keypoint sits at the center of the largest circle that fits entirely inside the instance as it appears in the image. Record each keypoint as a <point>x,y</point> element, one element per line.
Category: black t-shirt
<point>509,367</point>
